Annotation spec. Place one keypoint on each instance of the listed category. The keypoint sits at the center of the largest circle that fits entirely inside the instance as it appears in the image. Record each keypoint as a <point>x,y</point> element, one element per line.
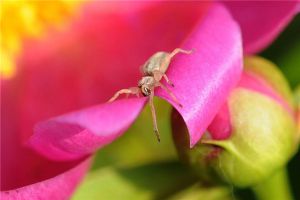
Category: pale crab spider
<point>154,70</point>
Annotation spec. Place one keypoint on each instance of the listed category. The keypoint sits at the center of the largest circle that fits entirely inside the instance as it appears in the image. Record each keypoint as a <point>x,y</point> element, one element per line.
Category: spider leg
<point>170,93</point>
<point>165,63</point>
<point>168,80</point>
<point>132,90</point>
<point>154,116</point>
<point>178,50</point>
<point>158,75</point>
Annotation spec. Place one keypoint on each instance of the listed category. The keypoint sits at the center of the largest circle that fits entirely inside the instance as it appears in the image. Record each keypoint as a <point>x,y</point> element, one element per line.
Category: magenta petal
<point>58,187</point>
<point>204,78</point>
<point>80,133</point>
<point>262,21</point>
<point>220,128</point>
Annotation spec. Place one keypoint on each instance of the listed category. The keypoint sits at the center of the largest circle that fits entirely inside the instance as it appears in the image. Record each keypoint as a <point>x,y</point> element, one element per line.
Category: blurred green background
<point>136,166</point>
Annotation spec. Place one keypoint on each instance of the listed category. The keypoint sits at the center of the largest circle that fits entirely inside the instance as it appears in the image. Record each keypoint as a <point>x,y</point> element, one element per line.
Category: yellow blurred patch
<point>21,19</point>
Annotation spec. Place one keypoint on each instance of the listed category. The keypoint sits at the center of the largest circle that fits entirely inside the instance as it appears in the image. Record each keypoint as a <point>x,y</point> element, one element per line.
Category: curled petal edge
<point>80,133</point>
<point>205,78</point>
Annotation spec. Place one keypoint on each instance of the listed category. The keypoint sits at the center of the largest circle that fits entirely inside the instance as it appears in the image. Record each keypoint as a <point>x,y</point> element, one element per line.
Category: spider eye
<point>146,91</point>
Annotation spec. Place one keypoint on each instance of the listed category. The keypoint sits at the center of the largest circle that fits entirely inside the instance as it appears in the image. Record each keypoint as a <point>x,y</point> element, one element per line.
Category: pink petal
<point>204,78</point>
<point>58,187</point>
<point>254,82</point>
<point>261,21</point>
<point>79,133</point>
<point>220,128</point>
<point>21,166</point>
<point>87,65</point>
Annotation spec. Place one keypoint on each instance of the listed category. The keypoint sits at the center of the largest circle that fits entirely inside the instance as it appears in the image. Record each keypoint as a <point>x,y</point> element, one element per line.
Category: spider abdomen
<point>157,62</point>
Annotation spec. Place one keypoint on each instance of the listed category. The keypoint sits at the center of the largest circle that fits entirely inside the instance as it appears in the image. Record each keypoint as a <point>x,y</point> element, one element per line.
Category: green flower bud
<point>263,131</point>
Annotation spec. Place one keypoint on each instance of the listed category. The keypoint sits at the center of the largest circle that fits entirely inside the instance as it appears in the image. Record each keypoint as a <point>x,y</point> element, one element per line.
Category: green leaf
<point>154,181</point>
<point>199,191</point>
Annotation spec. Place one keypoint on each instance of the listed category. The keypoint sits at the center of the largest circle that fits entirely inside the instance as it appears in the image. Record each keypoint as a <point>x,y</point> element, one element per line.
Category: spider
<point>154,69</point>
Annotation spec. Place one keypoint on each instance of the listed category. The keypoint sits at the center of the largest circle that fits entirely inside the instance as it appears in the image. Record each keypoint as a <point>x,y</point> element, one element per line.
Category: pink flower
<point>99,54</point>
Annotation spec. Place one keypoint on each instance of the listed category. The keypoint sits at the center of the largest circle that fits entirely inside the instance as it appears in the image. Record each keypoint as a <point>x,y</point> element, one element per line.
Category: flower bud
<point>253,135</point>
